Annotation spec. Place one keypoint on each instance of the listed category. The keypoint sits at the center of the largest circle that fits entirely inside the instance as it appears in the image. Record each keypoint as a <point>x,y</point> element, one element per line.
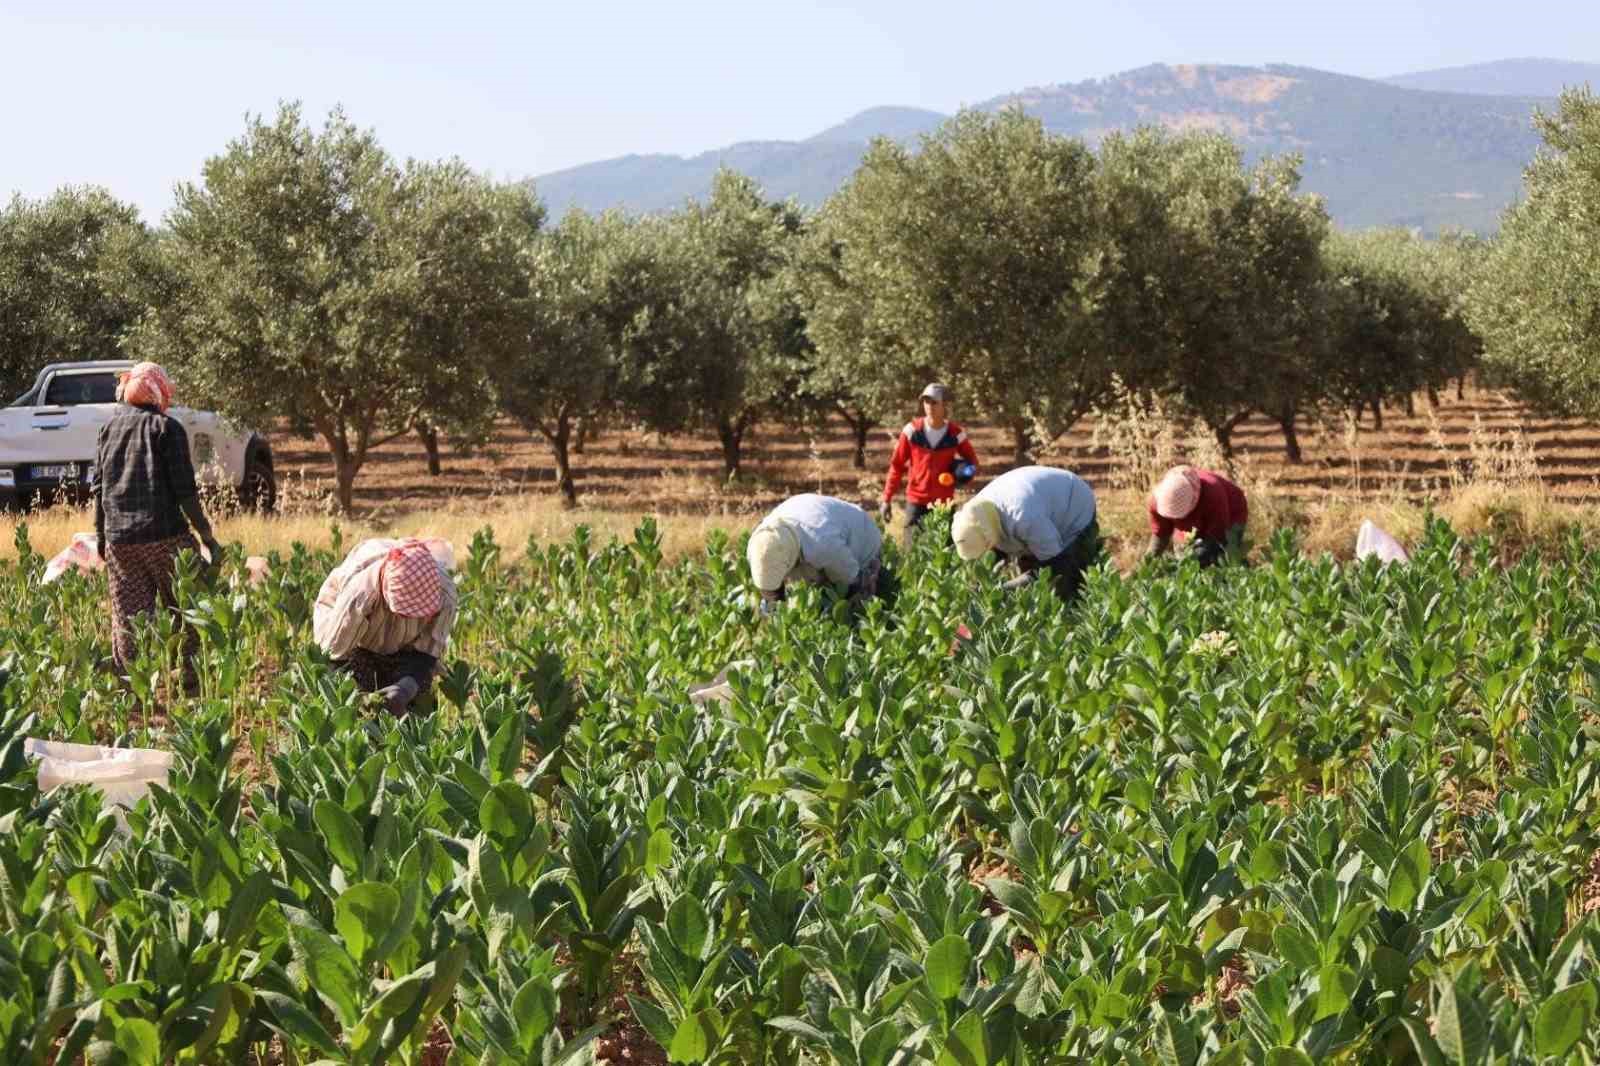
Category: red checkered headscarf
<point>411,581</point>
<point>146,385</point>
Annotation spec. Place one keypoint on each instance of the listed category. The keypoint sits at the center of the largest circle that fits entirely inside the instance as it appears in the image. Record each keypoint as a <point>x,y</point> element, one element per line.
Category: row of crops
<point>1293,813</point>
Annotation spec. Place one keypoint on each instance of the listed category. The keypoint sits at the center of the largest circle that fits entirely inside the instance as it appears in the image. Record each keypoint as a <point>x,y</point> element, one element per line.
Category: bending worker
<point>384,616</point>
<point>145,503</point>
<point>1042,517</point>
<point>818,539</point>
<point>1202,503</point>
<point>936,455</point>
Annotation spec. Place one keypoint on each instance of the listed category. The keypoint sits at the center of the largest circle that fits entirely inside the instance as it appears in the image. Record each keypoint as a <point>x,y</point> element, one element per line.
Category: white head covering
<point>976,529</point>
<point>773,552</point>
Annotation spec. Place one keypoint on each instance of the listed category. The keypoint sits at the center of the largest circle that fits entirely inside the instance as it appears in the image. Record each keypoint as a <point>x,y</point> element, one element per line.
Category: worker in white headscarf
<point>384,616</point>
<point>1038,516</point>
<point>818,539</point>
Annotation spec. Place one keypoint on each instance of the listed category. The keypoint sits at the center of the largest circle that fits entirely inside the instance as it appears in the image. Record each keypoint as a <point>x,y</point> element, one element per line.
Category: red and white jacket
<point>914,452</point>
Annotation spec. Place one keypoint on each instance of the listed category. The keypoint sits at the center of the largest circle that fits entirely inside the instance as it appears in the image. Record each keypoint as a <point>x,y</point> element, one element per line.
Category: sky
<point>135,97</point>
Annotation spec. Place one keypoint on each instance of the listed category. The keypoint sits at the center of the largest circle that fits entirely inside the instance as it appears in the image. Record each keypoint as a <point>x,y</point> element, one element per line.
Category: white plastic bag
<point>123,775</point>
<point>717,689</point>
<point>83,553</point>
<point>1372,541</point>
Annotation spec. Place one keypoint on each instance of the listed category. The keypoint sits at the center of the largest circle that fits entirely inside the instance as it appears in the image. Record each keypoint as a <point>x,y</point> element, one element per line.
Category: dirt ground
<point>1415,457</point>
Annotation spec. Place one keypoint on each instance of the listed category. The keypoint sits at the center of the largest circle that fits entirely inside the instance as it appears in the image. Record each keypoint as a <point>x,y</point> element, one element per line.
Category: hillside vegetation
<point>1380,154</point>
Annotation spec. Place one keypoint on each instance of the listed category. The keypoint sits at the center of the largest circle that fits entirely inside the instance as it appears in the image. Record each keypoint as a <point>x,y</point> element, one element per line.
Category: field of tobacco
<point>1297,813</point>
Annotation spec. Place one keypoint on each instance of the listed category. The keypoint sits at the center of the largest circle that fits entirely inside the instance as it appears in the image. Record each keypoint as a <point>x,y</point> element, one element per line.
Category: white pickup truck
<point>48,437</point>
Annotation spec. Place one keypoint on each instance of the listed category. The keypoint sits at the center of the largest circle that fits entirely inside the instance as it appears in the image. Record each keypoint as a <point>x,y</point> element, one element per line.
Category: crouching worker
<point>818,539</point>
<point>384,616</point>
<point>1042,517</point>
<point>1202,503</point>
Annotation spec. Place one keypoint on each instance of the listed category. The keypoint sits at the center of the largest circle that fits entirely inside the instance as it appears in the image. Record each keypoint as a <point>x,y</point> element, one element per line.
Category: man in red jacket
<point>924,458</point>
<point>1202,503</point>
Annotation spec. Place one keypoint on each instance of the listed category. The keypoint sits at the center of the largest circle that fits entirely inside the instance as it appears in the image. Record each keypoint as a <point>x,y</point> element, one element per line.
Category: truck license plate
<point>57,471</point>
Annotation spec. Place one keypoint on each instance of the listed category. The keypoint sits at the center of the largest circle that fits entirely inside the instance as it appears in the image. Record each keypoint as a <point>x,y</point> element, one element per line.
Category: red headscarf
<point>146,385</point>
<point>411,580</point>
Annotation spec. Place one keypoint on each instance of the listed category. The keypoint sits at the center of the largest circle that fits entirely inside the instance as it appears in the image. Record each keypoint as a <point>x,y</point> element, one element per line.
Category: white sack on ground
<point>1372,541</point>
<point>718,689</point>
<point>82,554</point>
<point>123,775</point>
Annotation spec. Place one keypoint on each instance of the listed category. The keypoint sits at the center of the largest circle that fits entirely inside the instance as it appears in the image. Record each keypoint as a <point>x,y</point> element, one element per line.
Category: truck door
<point>201,426</point>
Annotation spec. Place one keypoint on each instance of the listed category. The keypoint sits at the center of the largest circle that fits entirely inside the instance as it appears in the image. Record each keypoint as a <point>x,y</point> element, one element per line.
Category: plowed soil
<point>625,469</point>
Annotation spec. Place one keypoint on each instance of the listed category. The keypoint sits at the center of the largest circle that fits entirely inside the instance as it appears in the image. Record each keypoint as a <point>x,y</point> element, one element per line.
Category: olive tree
<point>584,349</point>
<point>69,264</point>
<point>1536,301</point>
<point>729,327</point>
<point>316,279</point>
<point>1216,269</point>
<point>978,259</point>
<point>860,366</point>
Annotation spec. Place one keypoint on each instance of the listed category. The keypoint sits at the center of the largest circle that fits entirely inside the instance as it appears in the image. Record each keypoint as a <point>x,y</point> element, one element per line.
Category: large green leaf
<point>946,966</point>
<point>1564,1018</point>
<point>364,915</point>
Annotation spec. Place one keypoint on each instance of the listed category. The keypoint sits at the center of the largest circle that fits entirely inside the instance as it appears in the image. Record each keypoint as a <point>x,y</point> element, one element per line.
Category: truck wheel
<point>259,490</point>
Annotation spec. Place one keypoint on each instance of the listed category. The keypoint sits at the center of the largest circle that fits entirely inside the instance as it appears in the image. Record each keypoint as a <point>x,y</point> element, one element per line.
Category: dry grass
<point>1481,461</point>
<point>513,522</point>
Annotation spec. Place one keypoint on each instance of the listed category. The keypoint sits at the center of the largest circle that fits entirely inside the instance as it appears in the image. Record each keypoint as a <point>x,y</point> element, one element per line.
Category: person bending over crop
<point>384,616</point>
<point>145,503</point>
<point>1042,517</point>
<point>818,539</point>
<point>937,455</point>
<point>1202,503</point>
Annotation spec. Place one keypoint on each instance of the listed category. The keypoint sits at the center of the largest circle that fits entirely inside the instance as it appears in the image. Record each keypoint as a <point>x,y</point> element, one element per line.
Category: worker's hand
<point>398,696</point>
<point>1021,582</point>
<point>886,512</point>
<point>768,608</point>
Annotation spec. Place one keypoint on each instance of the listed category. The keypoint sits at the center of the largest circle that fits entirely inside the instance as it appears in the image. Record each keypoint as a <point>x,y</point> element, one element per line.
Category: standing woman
<point>145,502</point>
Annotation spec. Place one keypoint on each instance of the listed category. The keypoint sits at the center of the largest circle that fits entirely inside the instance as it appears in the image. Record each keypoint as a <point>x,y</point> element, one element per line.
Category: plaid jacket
<point>143,470</point>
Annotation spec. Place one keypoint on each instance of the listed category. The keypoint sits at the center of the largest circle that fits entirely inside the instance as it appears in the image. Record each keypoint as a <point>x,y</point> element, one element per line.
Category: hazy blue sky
<point>136,99</point>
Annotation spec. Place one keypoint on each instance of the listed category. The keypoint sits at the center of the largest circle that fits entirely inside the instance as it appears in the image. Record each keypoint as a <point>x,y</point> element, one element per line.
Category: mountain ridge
<point>1380,153</point>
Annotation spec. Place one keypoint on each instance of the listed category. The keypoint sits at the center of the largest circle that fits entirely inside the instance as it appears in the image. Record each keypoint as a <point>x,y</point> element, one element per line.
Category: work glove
<point>768,608</point>
<point>886,512</point>
<point>398,696</point>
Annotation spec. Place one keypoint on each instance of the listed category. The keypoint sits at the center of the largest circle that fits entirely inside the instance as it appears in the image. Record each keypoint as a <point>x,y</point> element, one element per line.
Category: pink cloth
<point>412,581</point>
<point>1219,507</point>
<point>147,385</point>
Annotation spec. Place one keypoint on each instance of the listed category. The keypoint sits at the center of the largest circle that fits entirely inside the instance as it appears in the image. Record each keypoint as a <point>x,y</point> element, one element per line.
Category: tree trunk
<point>583,431</point>
<point>731,434</point>
<point>1291,438</point>
<point>1021,443</point>
<point>344,473</point>
<point>1224,435</point>
<point>430,444</point>
<point>859,428</point>
<point>560,438</point>
<point>1461,388</point>
<point>1411,405</point>
<point>1377,415</point>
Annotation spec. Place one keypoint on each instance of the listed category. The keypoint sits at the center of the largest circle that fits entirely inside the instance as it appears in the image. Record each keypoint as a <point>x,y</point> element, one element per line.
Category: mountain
<point>1379,153</point>
<point>1507,77</point>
